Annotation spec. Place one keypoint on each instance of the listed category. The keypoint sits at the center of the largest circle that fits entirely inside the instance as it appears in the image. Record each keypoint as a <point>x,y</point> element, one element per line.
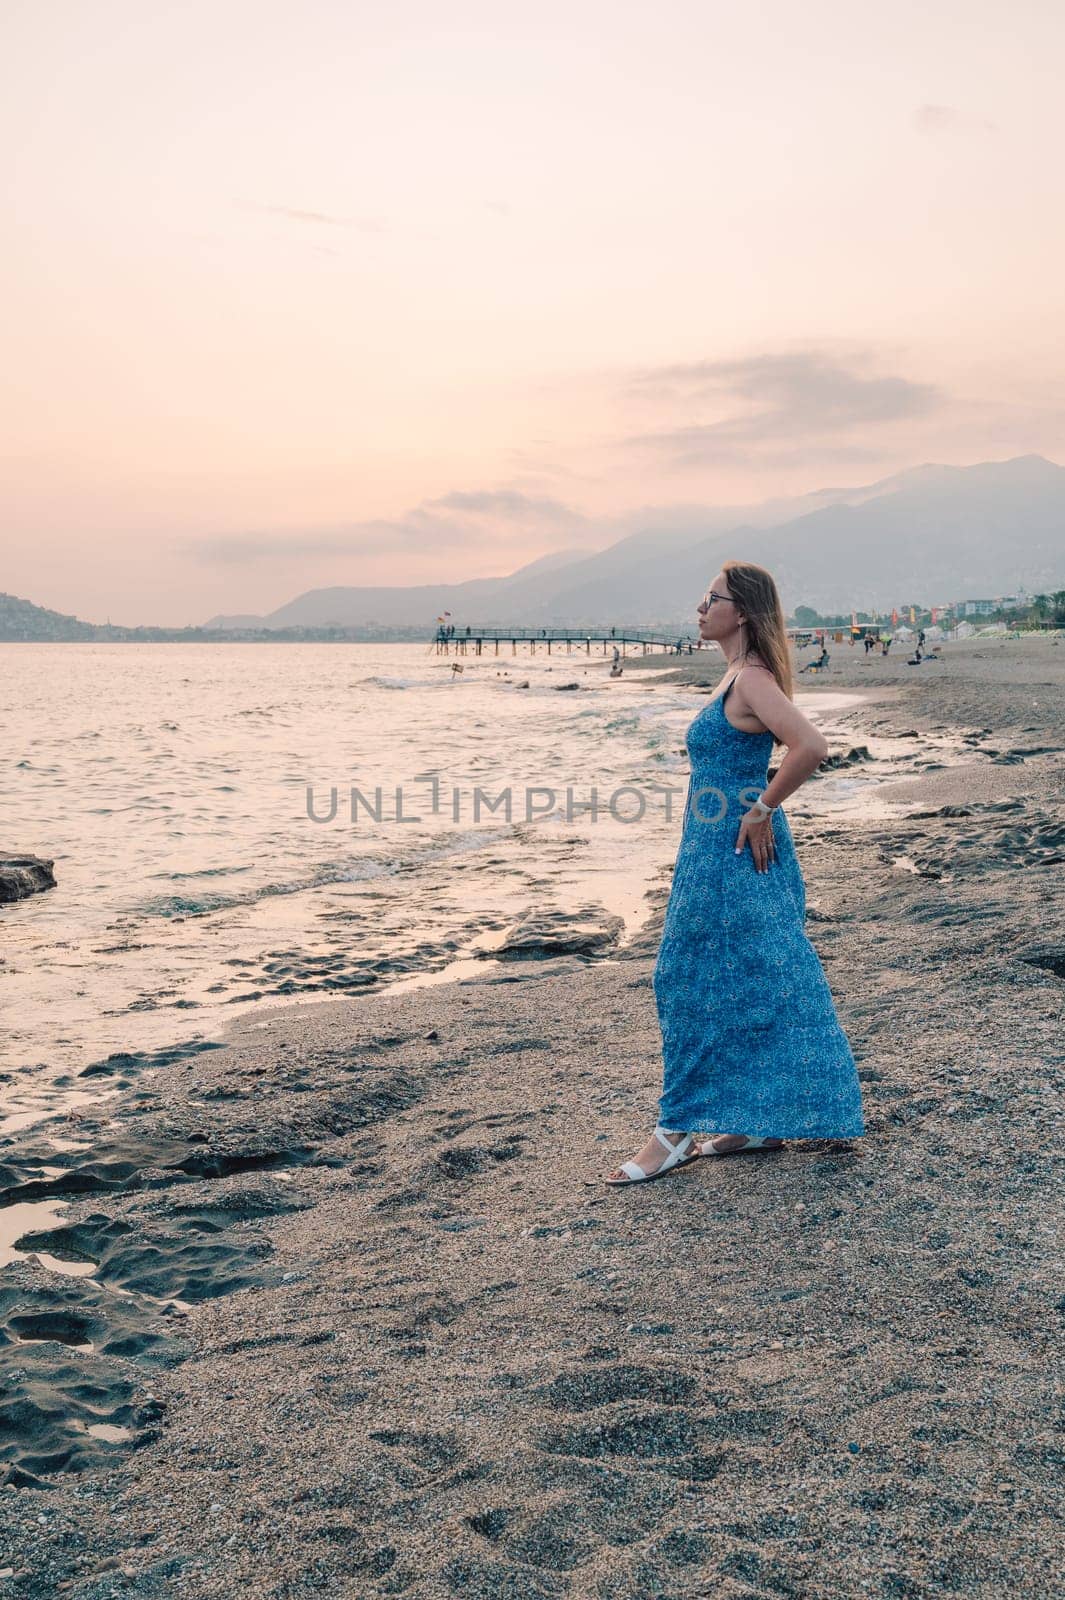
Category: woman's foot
<point>726,1144</point>
<point>652,1156</point>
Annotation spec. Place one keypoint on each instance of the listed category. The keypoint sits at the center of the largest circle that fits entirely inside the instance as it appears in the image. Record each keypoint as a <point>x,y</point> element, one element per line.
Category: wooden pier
<point>473,641</point>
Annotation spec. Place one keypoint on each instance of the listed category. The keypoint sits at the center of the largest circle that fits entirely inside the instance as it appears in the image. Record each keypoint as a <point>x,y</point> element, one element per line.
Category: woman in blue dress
<point>752,1049</point>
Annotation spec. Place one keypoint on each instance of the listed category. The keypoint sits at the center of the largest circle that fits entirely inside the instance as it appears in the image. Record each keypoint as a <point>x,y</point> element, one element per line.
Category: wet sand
<point>364,1320</point>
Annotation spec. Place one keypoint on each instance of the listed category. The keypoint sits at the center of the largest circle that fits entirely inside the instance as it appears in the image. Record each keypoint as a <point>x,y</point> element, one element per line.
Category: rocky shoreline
<point>348,1310</point>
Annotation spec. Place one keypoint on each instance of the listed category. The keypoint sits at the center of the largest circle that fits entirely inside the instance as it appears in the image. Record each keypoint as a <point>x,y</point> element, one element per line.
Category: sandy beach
<point>364,1319</point>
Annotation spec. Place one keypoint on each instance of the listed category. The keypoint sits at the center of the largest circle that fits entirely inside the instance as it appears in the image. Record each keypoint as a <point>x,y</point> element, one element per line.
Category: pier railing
<point>469,640</point>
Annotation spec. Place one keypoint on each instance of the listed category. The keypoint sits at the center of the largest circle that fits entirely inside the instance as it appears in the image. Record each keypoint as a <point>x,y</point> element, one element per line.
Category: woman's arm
<point>806,748</point>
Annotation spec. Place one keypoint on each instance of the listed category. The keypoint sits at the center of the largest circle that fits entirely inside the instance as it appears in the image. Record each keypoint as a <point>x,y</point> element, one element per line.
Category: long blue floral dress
<point>750,1039</point>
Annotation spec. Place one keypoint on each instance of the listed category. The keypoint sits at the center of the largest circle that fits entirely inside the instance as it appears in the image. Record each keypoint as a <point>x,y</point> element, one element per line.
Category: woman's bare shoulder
<point>753,669</point>
<point>757,688</point>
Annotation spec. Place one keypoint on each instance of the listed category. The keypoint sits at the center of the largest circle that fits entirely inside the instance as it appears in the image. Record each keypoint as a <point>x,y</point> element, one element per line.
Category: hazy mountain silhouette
<point>932,533</point>
<point>21,619</point>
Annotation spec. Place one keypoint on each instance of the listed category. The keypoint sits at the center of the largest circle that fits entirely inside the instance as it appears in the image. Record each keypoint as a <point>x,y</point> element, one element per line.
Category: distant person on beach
<point>752,1049</point>
<point>819,665</point>
<point>885,646</point>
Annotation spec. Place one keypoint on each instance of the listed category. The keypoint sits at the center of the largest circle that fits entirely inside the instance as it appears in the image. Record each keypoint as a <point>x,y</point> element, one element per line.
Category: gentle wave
<point>360,871</point>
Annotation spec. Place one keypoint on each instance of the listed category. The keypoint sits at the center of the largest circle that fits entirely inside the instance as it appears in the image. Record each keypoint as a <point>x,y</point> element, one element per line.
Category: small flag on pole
<point>934,610</point>
<point>894,616</point>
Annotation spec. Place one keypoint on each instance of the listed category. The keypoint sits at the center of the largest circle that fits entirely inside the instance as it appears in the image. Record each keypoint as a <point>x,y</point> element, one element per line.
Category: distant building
<point>984,608</point>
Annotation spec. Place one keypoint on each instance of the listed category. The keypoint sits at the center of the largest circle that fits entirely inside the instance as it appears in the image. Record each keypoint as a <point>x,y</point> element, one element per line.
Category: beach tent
<point>935,632</point>
<point>903,632</point>
<point>964,630</point>
<point>992,630</point>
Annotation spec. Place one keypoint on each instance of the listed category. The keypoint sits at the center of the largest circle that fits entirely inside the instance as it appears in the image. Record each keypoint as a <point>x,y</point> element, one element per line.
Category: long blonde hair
<point>755,593</point>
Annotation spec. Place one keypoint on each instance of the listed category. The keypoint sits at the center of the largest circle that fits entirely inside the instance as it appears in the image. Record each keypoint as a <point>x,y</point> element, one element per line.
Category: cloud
<point>509,504</point>
<point>777,403</point>
<point>321,218</point>
<point>948,119</point>
<point>464,521</point>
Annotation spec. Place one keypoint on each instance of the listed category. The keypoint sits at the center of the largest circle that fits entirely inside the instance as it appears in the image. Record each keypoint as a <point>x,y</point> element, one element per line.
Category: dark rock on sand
<point>70,1392</point>
<point>846,758</point>
<point>21,876</point>
<point>1051,957</point>
<point>550,933</point>
<point>149,1259</point>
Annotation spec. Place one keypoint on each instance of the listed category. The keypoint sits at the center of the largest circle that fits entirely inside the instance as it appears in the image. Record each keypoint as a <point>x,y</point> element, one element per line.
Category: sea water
<point>185,794</point>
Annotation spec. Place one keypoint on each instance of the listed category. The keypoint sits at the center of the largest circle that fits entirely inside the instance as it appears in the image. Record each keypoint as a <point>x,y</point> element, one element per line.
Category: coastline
<point>426,1351</point>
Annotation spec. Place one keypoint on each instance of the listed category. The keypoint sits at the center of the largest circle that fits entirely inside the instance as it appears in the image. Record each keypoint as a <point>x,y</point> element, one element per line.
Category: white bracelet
<point>763,808</point>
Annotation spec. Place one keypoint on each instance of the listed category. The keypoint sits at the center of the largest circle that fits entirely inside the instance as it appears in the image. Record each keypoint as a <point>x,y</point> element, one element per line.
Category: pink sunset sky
<point>347,293</point>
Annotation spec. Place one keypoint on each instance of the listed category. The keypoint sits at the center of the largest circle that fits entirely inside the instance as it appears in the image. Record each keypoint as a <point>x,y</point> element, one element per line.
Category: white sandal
<point>707,1149</point>
<point>678,1157</point>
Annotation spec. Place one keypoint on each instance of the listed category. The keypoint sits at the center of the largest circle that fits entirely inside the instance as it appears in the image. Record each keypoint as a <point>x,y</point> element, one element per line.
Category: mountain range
<point>933,534</point>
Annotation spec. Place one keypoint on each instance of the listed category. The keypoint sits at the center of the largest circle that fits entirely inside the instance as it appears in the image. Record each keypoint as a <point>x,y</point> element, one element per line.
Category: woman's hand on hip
<point>758,833</point>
